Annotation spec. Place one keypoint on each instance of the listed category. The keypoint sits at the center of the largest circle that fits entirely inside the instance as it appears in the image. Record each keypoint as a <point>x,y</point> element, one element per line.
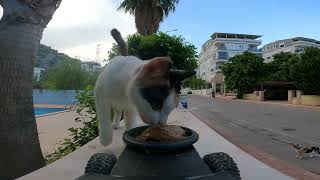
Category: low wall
<point>249,97</point>
<point>311,100</point>
<point>54,96</point>
<point>203,92</point>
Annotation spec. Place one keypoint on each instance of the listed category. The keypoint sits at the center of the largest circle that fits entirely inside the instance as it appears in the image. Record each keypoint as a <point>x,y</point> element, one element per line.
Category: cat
<point>144,90</point>
<point>305,150</point>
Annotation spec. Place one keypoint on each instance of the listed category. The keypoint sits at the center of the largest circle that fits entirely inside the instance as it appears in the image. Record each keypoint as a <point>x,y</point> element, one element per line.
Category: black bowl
<point>129,137</point>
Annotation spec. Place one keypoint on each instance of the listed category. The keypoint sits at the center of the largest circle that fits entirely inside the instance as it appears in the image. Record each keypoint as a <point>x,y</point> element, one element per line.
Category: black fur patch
<point>155,96</point>
<point>311,149</point>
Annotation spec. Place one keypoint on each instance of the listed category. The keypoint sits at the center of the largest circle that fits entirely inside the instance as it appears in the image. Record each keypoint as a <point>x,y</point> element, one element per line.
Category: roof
<point>235,36</point>
<point>306,39</point>
<point>295,39</point>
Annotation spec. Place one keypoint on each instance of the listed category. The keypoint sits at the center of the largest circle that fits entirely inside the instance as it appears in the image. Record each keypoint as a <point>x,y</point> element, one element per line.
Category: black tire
<point>218,162</point>
<point>101,163</point>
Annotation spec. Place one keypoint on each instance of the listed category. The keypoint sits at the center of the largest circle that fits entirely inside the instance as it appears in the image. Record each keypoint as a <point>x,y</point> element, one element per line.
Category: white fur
<point>116,89</point>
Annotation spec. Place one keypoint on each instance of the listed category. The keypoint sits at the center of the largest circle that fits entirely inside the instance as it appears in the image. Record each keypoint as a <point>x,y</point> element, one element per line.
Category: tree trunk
<point>148,17</point>
<point>20,35</point>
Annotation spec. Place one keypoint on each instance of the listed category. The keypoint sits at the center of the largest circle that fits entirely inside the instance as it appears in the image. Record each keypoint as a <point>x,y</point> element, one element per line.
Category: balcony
<point>249,41</point>
<point>254,50</point>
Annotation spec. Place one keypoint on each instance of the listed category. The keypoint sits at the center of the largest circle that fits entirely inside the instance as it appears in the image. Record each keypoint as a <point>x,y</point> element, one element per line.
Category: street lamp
<point>171,30</point>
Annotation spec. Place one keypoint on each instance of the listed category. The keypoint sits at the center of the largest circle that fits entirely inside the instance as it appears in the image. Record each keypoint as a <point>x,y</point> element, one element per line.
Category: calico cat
<point>305,150</point>
<point>144,90</point>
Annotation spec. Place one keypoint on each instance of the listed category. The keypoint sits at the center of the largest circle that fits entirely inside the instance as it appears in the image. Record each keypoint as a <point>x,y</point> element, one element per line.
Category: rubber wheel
<point>101,163</point>
<point>218,162</point>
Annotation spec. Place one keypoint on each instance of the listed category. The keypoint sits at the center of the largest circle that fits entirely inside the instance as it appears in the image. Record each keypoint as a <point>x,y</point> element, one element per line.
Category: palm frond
<point>168,6</point>
<point>129,5</point>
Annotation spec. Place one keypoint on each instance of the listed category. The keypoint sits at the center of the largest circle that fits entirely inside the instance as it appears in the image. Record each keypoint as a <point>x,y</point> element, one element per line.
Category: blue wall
<point>54,96</point>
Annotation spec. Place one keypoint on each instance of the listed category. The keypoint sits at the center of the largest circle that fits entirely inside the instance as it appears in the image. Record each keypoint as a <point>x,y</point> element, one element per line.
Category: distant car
<point>189,92</point>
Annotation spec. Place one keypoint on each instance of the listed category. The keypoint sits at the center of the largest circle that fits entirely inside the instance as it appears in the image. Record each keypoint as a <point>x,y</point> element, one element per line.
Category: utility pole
<point>98,51</point>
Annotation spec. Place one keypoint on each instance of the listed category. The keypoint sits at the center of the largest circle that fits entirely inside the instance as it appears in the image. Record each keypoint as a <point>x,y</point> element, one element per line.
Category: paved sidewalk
<point>73,165</point>
<point>53,129</point>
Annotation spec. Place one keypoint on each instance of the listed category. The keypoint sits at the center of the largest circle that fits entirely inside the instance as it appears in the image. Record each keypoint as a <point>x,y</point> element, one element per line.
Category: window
<point>281,45</point>
<point>222,55</point>
<point>218,67</point>
<point>268,57</point>
<point>237,46</point>
<point>299,50</point>
<point>274,46</point>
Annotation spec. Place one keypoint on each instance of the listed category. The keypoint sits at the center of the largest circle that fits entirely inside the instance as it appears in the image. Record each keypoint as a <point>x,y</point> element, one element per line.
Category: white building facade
<point>37,73</point>
<point>91,66</point>
<point>217,50</point>
<point>293,45</point>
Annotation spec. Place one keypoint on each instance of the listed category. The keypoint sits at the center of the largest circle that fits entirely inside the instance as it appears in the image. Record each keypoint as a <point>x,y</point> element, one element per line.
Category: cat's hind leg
<point>116,118</point>
<point>300,154</point>
<point>103,109</point>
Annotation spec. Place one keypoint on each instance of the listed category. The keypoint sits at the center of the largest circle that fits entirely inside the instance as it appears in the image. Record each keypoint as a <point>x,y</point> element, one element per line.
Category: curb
<point>290,170</point>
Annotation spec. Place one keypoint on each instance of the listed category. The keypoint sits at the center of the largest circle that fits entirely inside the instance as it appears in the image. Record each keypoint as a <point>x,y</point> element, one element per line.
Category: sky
<point>78,26</point>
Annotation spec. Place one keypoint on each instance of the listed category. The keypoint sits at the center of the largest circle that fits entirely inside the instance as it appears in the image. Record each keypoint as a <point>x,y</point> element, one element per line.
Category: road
<point>267,127</point>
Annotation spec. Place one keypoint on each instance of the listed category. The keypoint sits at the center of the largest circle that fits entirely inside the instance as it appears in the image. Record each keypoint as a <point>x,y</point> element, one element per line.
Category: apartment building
<point>293,45</point>
<point>91,66</point>
<point>217,50</point>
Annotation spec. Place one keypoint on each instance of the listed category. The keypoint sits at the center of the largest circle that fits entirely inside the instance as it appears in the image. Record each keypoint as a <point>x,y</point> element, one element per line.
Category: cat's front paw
<point>115,125</point>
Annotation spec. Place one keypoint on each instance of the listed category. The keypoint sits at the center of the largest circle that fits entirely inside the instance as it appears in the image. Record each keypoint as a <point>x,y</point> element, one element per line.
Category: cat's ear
<point>156,67</point>
<point>156,70</point>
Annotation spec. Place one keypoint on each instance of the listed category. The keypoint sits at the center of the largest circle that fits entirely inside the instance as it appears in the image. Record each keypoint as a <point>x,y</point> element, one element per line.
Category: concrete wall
<point>297,97</point>
<point>202,92</point>
<point>54,96</point>
<point>310,100</point>
<point>250,97</point>
<point>255,96</point>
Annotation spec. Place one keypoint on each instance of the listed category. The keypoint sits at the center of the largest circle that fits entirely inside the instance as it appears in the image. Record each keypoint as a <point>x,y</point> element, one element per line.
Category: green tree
<point>306,71</point>
<point>69,75</point>
<point>21,29</point>
<point>243,71</point>
<point>196,83</point>
<point>182,53</point>
<point>148,13</point>
<point>279,68</point>
<point>38,84</point>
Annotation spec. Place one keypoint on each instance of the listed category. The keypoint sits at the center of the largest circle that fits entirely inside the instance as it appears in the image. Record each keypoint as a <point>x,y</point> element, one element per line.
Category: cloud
<point>78,26</point>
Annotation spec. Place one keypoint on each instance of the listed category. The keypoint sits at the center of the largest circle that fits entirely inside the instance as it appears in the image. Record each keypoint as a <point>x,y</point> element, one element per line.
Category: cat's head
<point>155,89</point>
<point>296,146</point>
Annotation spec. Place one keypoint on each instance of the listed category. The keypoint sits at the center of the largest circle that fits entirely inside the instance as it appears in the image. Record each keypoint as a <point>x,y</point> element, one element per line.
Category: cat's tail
<point>122,45</point>
<point>103,110</point>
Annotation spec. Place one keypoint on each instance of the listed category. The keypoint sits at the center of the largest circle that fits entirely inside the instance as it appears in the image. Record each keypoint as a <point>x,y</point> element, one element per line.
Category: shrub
<point>182,53</point>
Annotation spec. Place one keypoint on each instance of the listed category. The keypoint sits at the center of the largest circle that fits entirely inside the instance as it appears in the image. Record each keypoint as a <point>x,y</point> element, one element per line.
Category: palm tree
<point>21,29</point>
<point>148,13</point>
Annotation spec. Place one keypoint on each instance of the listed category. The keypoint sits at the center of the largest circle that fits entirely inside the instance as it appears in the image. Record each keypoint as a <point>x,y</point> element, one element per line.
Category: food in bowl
<point>162,133</point>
